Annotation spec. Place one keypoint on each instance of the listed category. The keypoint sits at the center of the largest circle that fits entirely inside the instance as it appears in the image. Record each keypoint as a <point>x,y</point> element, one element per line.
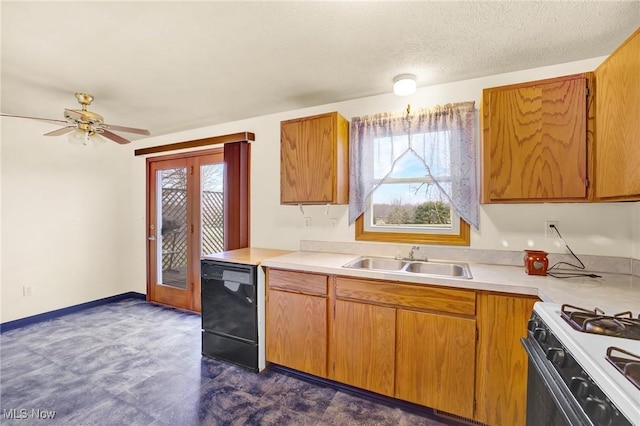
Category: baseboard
<point>12,325</point>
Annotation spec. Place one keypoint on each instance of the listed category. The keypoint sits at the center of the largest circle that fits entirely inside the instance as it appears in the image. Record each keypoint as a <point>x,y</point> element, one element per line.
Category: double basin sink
<point>407,266</point>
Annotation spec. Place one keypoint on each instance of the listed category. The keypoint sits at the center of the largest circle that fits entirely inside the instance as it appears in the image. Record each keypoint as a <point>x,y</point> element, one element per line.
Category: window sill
<point>461,239</point>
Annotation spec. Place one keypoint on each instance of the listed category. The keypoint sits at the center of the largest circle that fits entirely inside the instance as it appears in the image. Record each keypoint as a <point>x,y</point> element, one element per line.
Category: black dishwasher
<point>229,313</point>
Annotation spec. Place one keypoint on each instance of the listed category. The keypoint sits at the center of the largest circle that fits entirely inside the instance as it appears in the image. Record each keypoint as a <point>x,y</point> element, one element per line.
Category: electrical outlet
<point>26,290</point>
<point>550,231</point>
<point>307,222</point>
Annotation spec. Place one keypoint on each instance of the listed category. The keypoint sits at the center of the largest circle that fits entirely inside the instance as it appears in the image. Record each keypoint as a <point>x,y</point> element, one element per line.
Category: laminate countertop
<point>246,256</point>
<point>613,293</point>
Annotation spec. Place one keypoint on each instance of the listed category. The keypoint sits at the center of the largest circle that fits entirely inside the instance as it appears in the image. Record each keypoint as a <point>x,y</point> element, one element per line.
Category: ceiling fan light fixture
<point>97,140</point>
<point>404,85</point>
<point>82,126</point>
<point>79,137</point>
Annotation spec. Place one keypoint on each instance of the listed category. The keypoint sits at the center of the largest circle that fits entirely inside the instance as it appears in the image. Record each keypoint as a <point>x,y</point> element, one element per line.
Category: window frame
<point>463,238</point>
<point>460,238</point>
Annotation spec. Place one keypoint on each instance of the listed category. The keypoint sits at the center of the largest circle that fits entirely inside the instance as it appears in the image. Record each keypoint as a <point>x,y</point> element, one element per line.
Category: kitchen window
<point>413,177</point>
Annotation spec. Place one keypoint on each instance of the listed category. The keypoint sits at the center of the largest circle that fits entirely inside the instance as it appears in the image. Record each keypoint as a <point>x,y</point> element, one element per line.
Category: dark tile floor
<point>135,363</point>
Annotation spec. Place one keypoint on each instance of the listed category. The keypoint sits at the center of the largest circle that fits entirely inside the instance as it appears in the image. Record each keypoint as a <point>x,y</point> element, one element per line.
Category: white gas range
<point>577,358</point>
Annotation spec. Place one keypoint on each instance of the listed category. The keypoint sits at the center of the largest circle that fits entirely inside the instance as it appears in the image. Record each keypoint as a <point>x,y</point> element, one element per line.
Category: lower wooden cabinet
<point>364,341</point>
<point>502,361</point>
<point>297,331</point>
<point>454,350</point>
<point>413,342</point>
<point>435,359</point>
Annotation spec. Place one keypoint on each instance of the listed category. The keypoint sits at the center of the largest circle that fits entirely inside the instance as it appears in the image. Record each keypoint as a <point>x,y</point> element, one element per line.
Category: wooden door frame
<point>236,208</point>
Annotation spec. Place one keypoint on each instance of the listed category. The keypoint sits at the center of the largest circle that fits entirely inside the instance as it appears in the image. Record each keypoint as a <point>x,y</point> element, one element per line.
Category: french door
<point>185,219</point>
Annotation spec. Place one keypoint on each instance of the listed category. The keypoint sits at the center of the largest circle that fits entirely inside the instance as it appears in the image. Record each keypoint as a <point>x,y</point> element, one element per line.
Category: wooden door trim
<point>236,195</point>
<point>190,154</point>
<point>215,140</point>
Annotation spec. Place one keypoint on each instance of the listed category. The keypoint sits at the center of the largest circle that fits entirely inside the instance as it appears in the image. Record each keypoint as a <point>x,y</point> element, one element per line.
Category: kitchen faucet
<point>412,252</point>
<point>412,255</point>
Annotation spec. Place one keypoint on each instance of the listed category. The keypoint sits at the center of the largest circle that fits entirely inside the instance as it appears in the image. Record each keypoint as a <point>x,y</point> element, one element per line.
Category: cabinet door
<point>502,361</point>
<point>364,346</point>
<point>617,123</point>
<point>306,160</point>
<point>435,361</point>
<point>535,141</point>
<point>314,160</point>
<point>297,331</point>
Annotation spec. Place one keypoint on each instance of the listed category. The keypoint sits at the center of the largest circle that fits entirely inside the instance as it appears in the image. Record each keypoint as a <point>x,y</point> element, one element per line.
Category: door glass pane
<point>172,220</point>
<point>212,178</point>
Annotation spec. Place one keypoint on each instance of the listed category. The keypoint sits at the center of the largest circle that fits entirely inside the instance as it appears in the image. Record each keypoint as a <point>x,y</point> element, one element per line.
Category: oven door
<point>549,400</point>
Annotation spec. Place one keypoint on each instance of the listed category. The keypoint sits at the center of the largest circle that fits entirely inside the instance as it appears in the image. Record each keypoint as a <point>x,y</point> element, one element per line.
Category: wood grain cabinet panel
<point>502,361</point>
<point>535,141</point>
<point>435,362</point>
<point>296,330</point>
<point>364,345</point>
<point>406,295</point>
<point>301,282</point>
<point>314,163</point>
<point>454,350</point>
<point>618,123</point>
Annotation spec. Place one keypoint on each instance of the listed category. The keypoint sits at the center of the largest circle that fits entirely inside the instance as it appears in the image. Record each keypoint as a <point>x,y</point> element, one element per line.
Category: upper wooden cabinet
<point>314,160</point>
<point>618,123</point>
<point>535,141</point>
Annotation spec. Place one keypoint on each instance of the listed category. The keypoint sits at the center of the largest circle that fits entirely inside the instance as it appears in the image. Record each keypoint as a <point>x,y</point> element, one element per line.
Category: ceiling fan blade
<point>128,129</point>
<point>114,137</point>
<point>73,114</point>
<point>46,120</point>
<point>61,131</point>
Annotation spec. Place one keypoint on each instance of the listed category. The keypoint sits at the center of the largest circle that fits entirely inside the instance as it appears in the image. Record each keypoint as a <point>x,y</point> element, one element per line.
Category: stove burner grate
<point>628,364</point>
<point>621,325</point>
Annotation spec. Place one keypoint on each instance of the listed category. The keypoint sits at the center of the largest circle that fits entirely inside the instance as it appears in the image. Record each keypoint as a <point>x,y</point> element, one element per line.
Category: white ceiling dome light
<point>404,85</point>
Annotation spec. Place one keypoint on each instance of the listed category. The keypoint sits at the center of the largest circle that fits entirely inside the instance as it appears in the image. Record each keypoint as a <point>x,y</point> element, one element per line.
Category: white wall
<point>73,218</point>
<point>65,220</point>
<point>596,229</point>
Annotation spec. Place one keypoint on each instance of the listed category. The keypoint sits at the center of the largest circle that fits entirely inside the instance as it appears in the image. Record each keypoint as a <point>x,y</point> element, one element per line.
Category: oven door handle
<point>564,400</point>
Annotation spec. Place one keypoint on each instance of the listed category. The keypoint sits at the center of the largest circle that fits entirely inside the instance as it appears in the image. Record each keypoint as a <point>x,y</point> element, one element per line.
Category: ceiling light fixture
<point>83,135</point>
<point>79,137</point>
<point>404,84</point>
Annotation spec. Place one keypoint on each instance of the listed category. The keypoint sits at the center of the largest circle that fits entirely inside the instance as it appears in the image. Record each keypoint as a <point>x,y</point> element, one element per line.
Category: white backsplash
<point>607,264</point>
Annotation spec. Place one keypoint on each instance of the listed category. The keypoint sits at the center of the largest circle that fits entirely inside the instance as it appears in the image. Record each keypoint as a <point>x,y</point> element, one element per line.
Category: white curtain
<point>429,135</point>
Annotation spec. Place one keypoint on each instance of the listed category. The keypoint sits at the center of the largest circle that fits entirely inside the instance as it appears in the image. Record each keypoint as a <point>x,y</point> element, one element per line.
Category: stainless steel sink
<point>378,263</point>
<point>413,267</point>
<point>439,268</point>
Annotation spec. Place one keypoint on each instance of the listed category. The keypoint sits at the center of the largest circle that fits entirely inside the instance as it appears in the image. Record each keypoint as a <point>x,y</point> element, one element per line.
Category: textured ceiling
<point>171,66</point>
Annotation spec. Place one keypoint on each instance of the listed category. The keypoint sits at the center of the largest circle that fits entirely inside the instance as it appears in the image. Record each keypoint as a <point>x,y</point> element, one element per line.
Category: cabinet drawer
<point>297,281</point>
<point>411,296</point>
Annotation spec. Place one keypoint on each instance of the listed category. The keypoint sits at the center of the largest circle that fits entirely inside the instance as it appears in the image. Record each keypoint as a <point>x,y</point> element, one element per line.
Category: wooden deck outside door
<point>184,220</point>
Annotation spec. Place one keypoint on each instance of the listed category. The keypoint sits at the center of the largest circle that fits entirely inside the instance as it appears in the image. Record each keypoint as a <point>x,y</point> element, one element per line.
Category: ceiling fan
<point>85,124</point>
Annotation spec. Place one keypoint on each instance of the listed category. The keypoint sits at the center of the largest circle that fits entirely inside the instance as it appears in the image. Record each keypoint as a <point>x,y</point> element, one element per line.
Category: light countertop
<point>246,256</point>
<point>612,293</point>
